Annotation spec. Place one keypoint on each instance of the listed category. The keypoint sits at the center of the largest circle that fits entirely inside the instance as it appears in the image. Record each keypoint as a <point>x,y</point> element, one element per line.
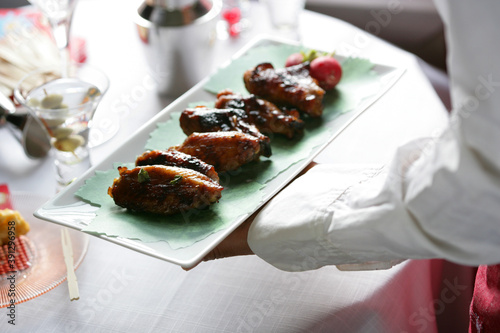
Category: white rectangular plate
<point>66,209</point>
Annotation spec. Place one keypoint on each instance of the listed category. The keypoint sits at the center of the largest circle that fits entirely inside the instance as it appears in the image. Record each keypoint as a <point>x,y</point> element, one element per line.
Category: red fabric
<point>485,306</point>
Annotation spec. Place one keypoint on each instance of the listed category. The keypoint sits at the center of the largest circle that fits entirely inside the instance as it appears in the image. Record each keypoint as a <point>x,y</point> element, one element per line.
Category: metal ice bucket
<point>179,37</point>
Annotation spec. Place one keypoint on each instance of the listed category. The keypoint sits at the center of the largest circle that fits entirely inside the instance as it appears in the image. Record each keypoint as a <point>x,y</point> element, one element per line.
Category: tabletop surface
<point>122,290</point>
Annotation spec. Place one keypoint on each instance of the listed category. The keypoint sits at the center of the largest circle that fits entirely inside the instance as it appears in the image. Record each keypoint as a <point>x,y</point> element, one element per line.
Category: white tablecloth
<point>124,291</point>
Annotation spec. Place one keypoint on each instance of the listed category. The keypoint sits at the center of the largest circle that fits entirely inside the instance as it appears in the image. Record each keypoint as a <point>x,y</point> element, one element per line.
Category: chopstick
<point>67,247</point>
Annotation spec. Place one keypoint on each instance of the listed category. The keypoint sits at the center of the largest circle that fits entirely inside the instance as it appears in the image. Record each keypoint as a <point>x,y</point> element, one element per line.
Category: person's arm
<point>236,243</point>
<point>439,199</point>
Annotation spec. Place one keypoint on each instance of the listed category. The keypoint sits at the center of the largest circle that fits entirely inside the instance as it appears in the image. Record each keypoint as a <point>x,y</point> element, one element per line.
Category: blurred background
<point>416,28</point>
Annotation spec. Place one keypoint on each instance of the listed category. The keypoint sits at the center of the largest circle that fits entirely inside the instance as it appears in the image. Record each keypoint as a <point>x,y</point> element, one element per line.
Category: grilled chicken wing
<point>266,116</point>
<point>178,159</point>
<point>163,189</point>
<point>290,86</point>
<point>226,151</point>
<point>203,119</point>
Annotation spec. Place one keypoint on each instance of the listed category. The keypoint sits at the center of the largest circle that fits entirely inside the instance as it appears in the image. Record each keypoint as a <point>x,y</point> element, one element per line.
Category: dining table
<point>122,290</point>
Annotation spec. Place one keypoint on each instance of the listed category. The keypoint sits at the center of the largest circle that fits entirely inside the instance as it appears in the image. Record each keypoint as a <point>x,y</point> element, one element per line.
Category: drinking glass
<point>65,105</point>
<point>284,15</point>
<point>59,13</point>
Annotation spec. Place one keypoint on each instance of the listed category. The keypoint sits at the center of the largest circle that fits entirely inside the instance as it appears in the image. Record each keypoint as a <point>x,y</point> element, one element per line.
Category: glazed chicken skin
<point>226,151</point>
<point>179,159</point>
<point>291,86</point>
<point>266,116</point>
<point>202,119</point>
<point>161,189</point>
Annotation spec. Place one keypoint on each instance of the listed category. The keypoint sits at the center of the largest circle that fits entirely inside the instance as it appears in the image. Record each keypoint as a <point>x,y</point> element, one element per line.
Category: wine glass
<point>59,14</point>
<point>65,105</point>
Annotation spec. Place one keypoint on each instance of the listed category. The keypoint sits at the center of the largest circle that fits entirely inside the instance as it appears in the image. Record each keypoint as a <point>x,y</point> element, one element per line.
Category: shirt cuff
<point>291,230</point>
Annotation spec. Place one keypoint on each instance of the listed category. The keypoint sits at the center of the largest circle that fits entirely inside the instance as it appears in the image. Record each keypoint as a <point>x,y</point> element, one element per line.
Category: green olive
<point>61,132</point>
<point>54,122</point>
<point>70,143</point>
<point>34,102</point>
<point>93,92</point>
<point>52,101</point>
<point>61,106</point>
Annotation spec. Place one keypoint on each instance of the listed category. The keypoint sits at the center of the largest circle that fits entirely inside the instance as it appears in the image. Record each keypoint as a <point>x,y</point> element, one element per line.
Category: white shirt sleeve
<point>440,198</point>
